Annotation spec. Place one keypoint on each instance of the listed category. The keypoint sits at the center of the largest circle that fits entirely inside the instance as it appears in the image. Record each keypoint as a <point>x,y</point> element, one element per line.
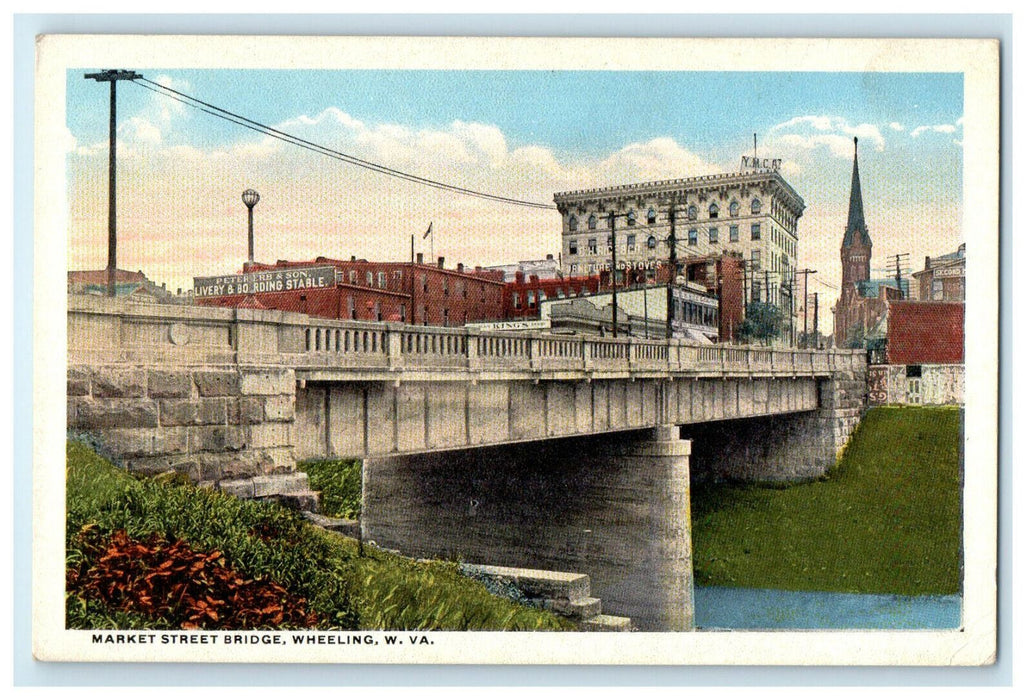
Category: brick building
<point>925,333</point>
<point>943,278</point>
<point>925,355</point>
<point>523,297</point>
<point>384,291</point>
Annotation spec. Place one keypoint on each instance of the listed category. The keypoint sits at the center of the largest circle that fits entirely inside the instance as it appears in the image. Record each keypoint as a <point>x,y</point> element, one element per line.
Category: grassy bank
<point>160,553</point>
<point>339,482</point>
<point>886,520</point>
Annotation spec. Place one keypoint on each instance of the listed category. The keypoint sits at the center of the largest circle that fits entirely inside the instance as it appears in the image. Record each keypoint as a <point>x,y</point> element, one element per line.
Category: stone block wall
<point>215,424</point>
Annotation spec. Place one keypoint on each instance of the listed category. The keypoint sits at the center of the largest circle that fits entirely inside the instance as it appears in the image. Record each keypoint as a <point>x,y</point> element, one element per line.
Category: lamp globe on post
<point>250,199</point>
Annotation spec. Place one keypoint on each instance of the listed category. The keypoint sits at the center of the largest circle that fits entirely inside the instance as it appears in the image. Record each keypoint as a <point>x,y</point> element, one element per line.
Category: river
<point>754,608</point>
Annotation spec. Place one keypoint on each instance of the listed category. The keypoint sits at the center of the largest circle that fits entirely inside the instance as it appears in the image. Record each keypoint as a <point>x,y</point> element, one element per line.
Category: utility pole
<point>412,276</point>
<point>806,274</point>
<point>815,320</point>
<point>613,269</point>
<point>112,77</point>
<point>673,263</point>
<point>894,261</point>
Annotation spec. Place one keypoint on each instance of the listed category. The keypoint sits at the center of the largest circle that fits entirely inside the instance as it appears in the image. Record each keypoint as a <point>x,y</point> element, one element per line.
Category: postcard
<point>516,350</point>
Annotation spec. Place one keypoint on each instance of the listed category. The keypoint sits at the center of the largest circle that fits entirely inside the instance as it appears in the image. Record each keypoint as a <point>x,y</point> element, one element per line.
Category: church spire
<point>855,219</point>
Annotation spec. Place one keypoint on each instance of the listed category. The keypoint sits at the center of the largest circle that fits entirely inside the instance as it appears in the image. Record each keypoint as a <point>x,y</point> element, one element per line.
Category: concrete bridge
<point>517,449</point>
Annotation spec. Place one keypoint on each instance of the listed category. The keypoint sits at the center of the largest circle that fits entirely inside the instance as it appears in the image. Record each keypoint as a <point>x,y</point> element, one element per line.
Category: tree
<point>763,322</point>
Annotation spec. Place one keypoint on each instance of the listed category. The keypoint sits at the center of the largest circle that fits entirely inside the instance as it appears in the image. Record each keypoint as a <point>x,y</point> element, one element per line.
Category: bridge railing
<point>379,344</point>
<point>121,331</point>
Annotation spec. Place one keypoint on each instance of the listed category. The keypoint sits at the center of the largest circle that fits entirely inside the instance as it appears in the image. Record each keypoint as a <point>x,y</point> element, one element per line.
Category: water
<point>754,608</point>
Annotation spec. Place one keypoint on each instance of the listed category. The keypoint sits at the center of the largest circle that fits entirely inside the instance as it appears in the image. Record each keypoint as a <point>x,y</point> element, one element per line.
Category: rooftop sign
<point>755,163</point>
<point>281,280</point>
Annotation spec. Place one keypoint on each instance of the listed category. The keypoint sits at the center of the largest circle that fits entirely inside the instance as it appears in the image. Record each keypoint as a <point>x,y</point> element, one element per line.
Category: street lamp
<point>250,199</point>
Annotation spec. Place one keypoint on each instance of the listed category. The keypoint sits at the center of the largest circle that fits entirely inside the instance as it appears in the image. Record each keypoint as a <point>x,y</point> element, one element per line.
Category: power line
<point>261,128</point>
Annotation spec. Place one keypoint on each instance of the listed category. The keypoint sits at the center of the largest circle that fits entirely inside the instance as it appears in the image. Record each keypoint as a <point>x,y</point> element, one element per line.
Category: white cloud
<point>938,128</point>
<point>896,126</point>
<point>141,131</point>
<point>812,132</point>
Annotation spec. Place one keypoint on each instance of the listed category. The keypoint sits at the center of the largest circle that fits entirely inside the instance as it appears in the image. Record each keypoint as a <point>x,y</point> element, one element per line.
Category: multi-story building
<point>752,214</point>
<point>413,293</point>
<point>943,278</point>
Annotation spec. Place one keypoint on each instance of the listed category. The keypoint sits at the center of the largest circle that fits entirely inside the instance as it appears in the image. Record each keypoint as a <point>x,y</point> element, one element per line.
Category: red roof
<point>922,332</point>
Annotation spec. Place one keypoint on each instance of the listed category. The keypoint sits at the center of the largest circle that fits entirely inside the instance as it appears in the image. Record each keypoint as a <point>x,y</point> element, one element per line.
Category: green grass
<point>886,520</point>
<point>263,540</point>
<point>339,482</point>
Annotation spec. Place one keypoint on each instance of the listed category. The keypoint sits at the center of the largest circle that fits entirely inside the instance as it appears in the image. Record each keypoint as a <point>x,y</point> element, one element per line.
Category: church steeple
<point>856,251</point>
<point>855,219</point>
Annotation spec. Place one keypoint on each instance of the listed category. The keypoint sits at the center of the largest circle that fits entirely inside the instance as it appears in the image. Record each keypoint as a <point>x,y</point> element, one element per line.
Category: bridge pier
<point>615,507</point>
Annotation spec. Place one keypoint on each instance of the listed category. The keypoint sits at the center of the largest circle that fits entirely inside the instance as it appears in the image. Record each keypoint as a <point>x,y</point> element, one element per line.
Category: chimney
<point>419,258</point>
<point>441,262</point>
<point>459,267</point>
<point>519,276</point>
<point>548,256</point>
<point>353,258</point>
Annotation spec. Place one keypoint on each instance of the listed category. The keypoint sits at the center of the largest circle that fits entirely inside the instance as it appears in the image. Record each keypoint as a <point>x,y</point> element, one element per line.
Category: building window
<point>651,242</point>
<point>402,310</point>
<point>755,258</point>
<point>755,206</point>
<point>381,279</point>
<point>592,222</point>
<point>592,250</point>
<point>937,289</point>
<point>631,218</point>
<point>369,278</point>
<point>631,243</point>
<point>444,286</point>
<point>573,246</point>
<point>351,276</point>
<point>572,223</point>
<point>376,311</point>
<point>733,208</point>
<point>755,291</point>
<point>530,298</point>
<point>516,300</point>
<point>733,234</point>
<point>713,235</point>
<point>693,212</point>
<point>444,317</point>
<point>351,309</point>
<point>693,236</point>
<point>651,216</point>
<point>714,211</point>
<point>754,232</point>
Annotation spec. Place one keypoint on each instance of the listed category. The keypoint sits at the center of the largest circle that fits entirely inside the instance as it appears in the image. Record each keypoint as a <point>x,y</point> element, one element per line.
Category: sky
<point>520,134</point>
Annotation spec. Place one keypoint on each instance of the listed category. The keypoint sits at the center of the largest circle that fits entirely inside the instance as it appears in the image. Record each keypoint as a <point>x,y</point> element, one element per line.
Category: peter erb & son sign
<point>266,281</point>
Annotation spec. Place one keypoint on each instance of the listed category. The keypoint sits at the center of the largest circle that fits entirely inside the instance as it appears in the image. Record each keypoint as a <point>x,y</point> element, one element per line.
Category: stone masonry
<point>217,424</point>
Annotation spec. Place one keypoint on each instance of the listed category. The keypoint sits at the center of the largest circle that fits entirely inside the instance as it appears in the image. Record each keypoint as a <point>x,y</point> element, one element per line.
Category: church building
<point>860,312</point>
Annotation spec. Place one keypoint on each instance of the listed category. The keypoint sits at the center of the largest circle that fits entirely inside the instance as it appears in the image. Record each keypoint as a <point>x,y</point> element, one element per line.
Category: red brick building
<point>523,296</point>
<point>386,291</point>
<point>925,333</point>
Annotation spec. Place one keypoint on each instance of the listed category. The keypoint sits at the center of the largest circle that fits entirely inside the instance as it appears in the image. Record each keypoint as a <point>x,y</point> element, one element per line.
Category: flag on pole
<point>428,230</point>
